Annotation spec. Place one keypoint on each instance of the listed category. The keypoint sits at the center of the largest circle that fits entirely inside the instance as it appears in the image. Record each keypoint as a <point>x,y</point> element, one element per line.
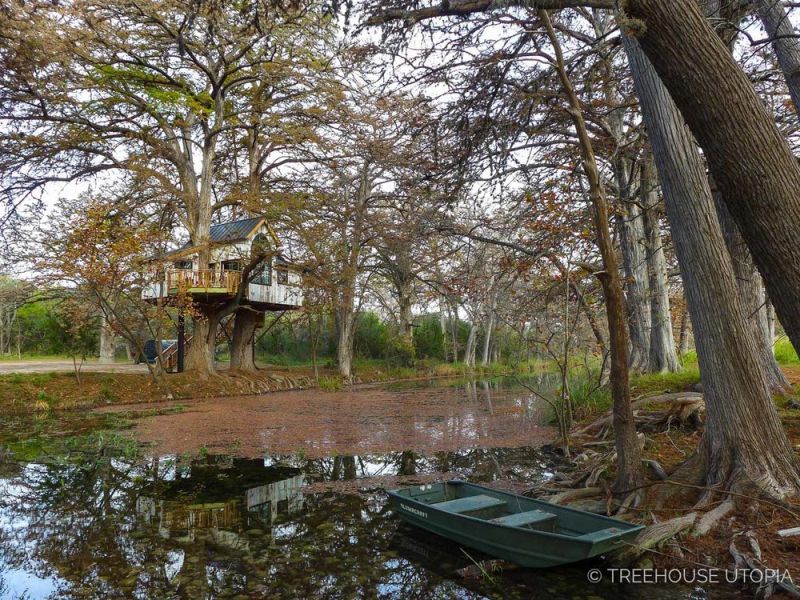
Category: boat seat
<point>600,535</point>
<point>470,504</point>
<point>540,518</point>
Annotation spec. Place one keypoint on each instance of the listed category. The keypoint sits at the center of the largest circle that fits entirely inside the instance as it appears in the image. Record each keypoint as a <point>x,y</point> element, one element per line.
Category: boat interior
<point>511,510</point>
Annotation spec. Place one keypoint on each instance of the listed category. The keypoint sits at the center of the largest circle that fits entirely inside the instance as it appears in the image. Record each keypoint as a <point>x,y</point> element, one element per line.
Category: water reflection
<point>224,527</point>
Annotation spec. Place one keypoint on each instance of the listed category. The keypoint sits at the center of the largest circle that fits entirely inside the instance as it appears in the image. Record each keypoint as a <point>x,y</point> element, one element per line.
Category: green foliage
<point>107,390</point>
<point>289,343</point>
<point>785,353</point>
<point>37,326</point>
<point>75,337</point>
<point>330,384</point>
<point>651,383</point>
<point>587,397</point>
<point>400,352</point>
<point>690,358</point>
<point>371,339</point>
<point>428,338</point>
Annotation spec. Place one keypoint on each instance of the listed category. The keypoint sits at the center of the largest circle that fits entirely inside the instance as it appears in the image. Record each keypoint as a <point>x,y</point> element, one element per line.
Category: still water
<point>92,523</point>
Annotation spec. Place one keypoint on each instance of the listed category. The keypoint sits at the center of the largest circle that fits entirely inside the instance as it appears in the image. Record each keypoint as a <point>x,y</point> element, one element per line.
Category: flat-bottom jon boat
<point>528,532</point>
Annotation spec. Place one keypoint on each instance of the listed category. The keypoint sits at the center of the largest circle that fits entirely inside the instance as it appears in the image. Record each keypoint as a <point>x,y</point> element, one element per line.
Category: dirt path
<point>360,421</point>
<point>8,367</point>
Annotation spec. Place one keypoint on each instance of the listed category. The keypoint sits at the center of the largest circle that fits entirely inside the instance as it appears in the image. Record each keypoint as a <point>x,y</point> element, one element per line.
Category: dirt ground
<point>46,365</point>
<point>365,419</point>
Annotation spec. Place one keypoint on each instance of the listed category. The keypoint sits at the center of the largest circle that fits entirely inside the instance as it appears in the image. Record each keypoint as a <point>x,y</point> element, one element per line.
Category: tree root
<point>689,476</point>
<point>752,560</point>
<point>709,520</point>
<point>656,467</point>
<point>576,494</point>
<point>683,408</point>
<point>655,535</point>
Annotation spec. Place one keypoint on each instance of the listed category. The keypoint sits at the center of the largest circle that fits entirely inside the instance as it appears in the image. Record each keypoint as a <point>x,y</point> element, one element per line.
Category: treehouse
<point>273,285</point>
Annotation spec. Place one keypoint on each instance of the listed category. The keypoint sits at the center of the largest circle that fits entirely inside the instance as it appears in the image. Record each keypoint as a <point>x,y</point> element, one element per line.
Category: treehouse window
<point>183,264</point>
<point>262,274</point>
<point>283,275</point>
<point>231,265</point>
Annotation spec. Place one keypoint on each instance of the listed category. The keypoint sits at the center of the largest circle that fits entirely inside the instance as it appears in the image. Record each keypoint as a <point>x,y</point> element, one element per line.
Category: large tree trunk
<point>200,357</point>
<point>487,337</point>
<point>743,439</point>
<point>662,358</point>
<point>469,351</point>
<point>245,323</point>
<point>683,339</point>
<point>107,342</point>
<point>784,42</point>
<point>751,163</point>
<point>634,261</point>
<point>491,316</point>
<point>346,325</point>
<point>405,300</point>
<point>632,242</point>
<point>751,291</point>
<point>751,286</point>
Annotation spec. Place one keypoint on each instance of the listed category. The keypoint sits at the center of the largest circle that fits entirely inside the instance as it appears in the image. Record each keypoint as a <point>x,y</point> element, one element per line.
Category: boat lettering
<point>416,511</point>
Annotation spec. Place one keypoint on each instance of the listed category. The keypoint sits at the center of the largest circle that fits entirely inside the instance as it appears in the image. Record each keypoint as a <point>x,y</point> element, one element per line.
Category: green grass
<point>330,384</point>
<point>587,397</point>
<point>31,378</point>
<point>785,353</point>
<point>32,356</point>
<point>282,360</point>
<point>652,383</point>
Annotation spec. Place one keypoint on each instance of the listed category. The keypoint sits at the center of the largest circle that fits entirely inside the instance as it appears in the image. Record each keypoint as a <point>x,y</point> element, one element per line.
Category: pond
<point>97,520</point>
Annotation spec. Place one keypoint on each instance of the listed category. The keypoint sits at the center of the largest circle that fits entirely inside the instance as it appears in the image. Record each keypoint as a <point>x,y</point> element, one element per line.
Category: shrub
<point>330,384</point>
<point>428,338</point>
<point>372,336</point>
<point>400,352</point>
<point>785,353</point>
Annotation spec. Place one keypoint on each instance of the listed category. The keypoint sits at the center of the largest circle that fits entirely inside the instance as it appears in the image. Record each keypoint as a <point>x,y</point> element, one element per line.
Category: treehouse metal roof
<point>226,233</point>
<point>233,231</point>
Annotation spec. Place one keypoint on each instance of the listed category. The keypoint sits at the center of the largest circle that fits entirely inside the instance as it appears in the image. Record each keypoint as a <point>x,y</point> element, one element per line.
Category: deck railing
<point>220,283</point>
<point>186,279</point>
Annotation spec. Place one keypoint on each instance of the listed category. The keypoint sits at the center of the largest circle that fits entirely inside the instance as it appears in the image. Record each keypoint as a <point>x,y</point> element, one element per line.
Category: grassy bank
<point>590,399</point>
<point>41,393</point>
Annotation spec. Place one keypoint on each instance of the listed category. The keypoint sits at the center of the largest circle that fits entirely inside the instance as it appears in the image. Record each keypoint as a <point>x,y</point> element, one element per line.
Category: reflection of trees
<point>77,527</point>
<point>479,464</point>
<point>115,529</point>
<point>213,527</point>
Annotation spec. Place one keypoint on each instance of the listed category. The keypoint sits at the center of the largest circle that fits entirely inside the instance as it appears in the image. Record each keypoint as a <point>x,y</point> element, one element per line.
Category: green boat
<point>528,532</point>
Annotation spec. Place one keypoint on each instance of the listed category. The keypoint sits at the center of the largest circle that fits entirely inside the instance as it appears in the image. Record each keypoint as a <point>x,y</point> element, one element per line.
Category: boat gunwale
<point>632,527</point>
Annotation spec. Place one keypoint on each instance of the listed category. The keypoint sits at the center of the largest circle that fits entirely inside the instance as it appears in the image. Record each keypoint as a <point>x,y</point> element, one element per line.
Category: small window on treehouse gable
<point>282,271</point>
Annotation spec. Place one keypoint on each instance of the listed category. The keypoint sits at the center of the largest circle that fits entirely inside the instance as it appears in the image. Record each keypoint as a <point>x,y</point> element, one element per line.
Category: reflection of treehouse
<point>274,284</point>
<point>270,499</point>
<point>221,507</point>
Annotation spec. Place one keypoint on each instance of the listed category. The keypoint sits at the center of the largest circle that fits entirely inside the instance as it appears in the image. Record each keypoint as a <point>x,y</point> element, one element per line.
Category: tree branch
<point>468,7</point>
